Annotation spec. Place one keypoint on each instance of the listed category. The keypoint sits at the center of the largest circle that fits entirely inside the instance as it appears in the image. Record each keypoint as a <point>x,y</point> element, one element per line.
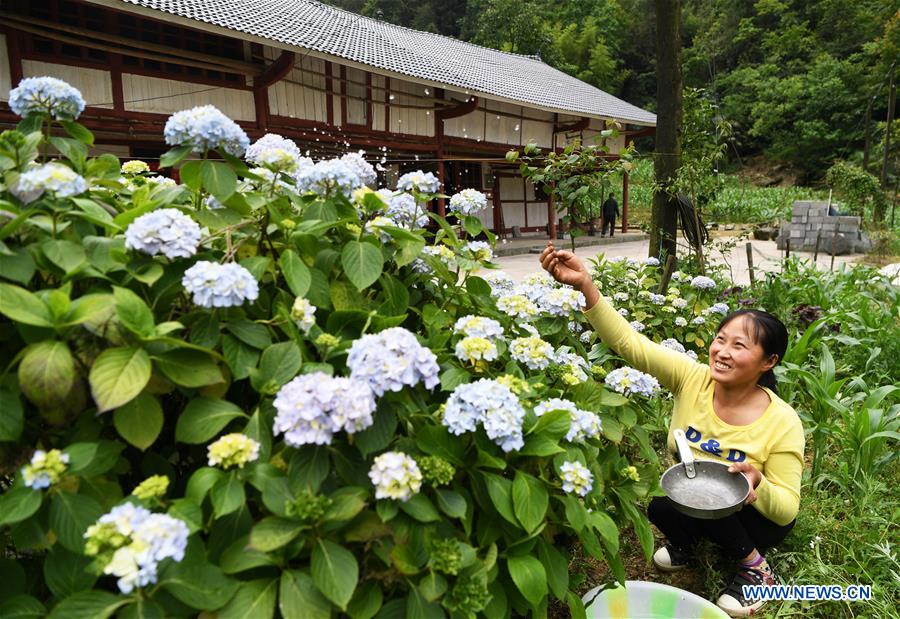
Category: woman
<point>729,412</point>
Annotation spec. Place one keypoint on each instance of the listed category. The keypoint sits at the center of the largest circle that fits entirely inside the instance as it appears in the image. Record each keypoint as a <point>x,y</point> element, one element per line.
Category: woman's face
<point>735,358</point>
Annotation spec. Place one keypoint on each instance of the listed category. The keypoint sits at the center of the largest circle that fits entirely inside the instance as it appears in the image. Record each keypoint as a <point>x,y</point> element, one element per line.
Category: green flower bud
<point>326,340</point>
<point>308,507</point>
<point>630,472</point>
<point>436,471</point>
<point>468,596</point>
<point>445,556</point>
<point>152,487</point>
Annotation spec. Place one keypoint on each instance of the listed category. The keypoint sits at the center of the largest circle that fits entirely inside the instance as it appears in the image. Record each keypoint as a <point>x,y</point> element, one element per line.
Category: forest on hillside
<point>792,77</point>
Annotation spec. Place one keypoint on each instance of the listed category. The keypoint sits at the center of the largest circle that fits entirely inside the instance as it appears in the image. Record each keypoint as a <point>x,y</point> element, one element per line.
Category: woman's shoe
<point>670,559</point>
<point>732,600</point>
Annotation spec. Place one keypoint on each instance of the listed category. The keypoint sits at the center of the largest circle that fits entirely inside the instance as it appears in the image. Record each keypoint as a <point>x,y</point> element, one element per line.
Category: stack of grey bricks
<point>837,234</point>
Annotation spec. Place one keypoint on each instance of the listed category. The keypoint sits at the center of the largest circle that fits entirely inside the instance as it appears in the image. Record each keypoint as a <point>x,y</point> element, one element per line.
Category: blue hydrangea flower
<point>629,381</point>
<point>500,282</point>
<point>55,178</point>
<point>623,311</point>
<point>561,301</point>
<point>220,285</point>
<point>699,320</point>
<point>673,344</point>
<point>205,128</point>
<point>419,181</point>
<point>167,231</point>
<point>392,359</point>
<point>362,168</point>
<point>651,261</point>
<point>312,407</point>
<point>703,283</point>
<point>403,210</point>
<point>719,308</point>
<point>585,425</point>
<point>276,153</point>
<point>46,95</point>
<point>491,404</point>
<point>467,202</point>
<point>638,326</point>
<point>325,178</point>
<point>657,299</point>
<point>478,326</point>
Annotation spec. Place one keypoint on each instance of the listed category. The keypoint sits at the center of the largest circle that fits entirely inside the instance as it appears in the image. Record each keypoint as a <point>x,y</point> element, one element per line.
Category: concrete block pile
<point>837,234</point>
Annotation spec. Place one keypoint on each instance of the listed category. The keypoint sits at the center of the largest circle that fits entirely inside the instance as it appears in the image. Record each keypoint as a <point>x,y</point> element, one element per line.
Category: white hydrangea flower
<point>585,425</point>
<point>46,95</point>
<point>312,407</point>
<point>620,296</point>
<point>165,231</point>
<point>478,326</point>
<point>491,404</point>
<point>326,178</point>
<point>392,359</point>
<point>419,181</point>
<point>303,313</point>
<point>232,450</point>
<point>362,168</point>
<point>561,301</point>
<point>680,321</point>
<point>699,320</point>
<point>395,476</point>
<point>534,352</point>
<point>377,225</point>
<point>479,250</point>
<point>220,285</point>
<point>629,381</point>
<point>275,152</point>
<point>517,306</point>
<point>135,166</point>
<point>576,478</point>
<point>703,283</point>
<point>55,178</point>
<point>205,128</point>
<point>45,469</point>
<point>403,209</point>
<point>473,349</point>
<point>500,282</point>
<point>467,202</point>
<point>638,326</point>
<point>679,303</point>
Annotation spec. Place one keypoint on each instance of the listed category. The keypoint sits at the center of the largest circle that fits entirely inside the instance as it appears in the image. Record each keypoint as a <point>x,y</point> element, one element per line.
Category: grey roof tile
<point>315,26</point>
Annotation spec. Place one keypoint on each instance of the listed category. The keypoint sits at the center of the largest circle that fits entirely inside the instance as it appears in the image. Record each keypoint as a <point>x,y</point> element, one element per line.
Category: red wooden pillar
<point>625,202</point>
<point>498,206</point>
<point>551,217</point>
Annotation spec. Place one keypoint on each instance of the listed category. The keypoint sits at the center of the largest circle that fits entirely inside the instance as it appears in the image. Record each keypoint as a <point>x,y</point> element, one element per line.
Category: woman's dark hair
<point>767,331</point>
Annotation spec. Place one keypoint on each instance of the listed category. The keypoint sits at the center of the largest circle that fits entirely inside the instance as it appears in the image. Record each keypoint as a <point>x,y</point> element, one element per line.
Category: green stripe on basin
<point>664,603</point>
<point>617,602</point>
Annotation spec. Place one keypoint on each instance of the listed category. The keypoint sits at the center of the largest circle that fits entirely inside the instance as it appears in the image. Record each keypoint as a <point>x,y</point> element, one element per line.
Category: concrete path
<point>766,257</point>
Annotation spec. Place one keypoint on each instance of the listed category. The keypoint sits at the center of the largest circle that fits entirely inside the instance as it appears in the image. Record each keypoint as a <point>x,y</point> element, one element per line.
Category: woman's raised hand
<point>565,266</point>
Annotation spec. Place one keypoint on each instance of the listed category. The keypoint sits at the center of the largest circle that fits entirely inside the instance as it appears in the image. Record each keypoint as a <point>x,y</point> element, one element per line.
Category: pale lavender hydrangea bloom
<point>403,210</point>
<point>586,337</point>
<point>276,152</point>
<point>165,231</point>
<point>392,359</point>
<point>651,261</point>
<point>206,128</point>
<point>395,476</point>
<point>576,478</point>
<point>585,425</point>
<point>362,168</point>
<point>312,407</point>
<point>422,182</point>
<point>479,250</point>
<point>561,301</point>
<point>623,311</point>
<point>673,344</point>
<point>620,296</point>
<point>680,321</point>
<point>657,299</point>
<point>46,95</point>
<point>491,404</point>
<point>703,283</point>
<point>220,285</point>
<point>55,178</point>
<point>629,381</point>
<point>500,282</point>
<point>555,404</point>
<point>719,308</point>
<point>679,303</point>
<point>637,325</point>
<point>326,178</point>
<point>699,320</point>
<point>467,202</point>
<point>478,326</point>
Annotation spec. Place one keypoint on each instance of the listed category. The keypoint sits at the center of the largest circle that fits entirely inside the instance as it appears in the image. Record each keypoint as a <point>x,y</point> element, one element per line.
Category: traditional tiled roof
<point>433,58</point>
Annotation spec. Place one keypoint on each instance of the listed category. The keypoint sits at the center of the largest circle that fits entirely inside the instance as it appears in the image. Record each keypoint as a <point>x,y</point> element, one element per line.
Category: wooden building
<point>331,80</point>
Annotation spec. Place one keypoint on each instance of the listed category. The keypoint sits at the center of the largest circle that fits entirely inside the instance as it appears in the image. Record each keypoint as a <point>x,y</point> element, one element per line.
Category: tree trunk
<point>667,160</point>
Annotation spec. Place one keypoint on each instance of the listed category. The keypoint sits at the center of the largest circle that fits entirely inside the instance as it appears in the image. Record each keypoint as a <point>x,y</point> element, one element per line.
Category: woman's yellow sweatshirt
<point>773,444</point>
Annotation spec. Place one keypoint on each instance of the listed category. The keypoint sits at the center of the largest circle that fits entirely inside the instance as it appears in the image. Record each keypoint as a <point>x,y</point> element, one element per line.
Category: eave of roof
<point>333,34</point>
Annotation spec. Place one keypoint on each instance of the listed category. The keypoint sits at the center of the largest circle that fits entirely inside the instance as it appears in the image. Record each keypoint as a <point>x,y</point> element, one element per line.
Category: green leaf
<point>133,313</point>
<point>12,418</point>
<point>240,357</point>
<point>173,156</point>
<point>47,374</point>
<point>118,375</point>
<point>70,516</point>
<point>530,577</point>
<point>200,482</point>
<point>279,364</point>
<point>366,601</point>
<point>272,533</point>
<point>417,607</point>
<point>576,513</point>
<point>421,508</point>
<point>22,607</point>
<point>189,368</point>
<point>362,263</point>
<point>67,255</point>
<point>203,418</point>
<point>140,421</point>
<point>606,527</point>
<point>189,511</point>
<point>472,225</point>
<point>18,504</point>
<point>437,441</point>
<point>540,445</point>
<point>530,500</point>
<point>451,503</point>
<point>410,248</point>
<point>500,490</point>
<point>199,585</point>
<point>334,571</point>
<point>23,306</point>
<point>299,598</point>
<point>250,333</point>
<point>296,273</point>
<point>78,131</point>
<point>254,600</point>
<point>218,179</point>
<point>89,605</point>
<point>17,267</point>
<point>454,377</point>
<point>240,557</point>
<point>347,502</point>
<point>379,435</point>
<point>227,495</point>
<point>557,568</point>
<point>88,308</point>
<point>93,458</point>
<point>67,573</point>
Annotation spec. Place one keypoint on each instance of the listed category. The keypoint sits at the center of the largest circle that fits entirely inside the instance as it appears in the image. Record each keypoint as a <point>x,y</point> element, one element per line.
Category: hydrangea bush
<point>228,394</point>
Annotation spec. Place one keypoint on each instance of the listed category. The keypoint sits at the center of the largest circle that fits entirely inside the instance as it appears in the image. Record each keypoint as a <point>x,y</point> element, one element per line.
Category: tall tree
<point>668,125</point>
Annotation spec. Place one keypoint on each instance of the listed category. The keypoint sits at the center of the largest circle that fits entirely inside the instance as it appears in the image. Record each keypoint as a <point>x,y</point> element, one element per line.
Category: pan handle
<point>685,453</point>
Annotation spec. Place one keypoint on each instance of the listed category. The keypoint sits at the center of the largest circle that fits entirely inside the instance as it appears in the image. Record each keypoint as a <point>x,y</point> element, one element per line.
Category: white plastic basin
<point>640,599</point>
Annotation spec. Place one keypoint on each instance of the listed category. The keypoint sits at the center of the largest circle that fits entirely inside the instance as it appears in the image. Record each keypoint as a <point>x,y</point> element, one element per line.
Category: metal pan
<point>703,489</point>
